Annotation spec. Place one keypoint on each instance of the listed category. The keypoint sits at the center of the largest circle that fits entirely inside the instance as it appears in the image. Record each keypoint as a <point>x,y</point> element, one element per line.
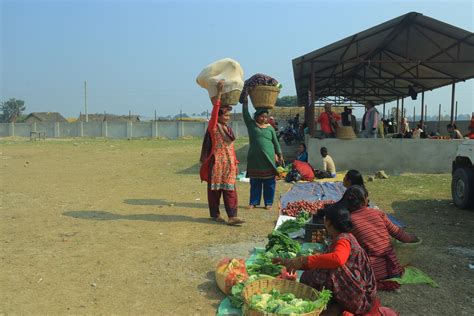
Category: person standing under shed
<point>348,119</point>
<point>328,121</point>
<point>370,121</point>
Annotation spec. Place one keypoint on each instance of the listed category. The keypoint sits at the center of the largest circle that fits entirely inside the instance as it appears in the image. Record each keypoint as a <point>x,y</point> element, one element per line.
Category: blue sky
<point>145,55</point>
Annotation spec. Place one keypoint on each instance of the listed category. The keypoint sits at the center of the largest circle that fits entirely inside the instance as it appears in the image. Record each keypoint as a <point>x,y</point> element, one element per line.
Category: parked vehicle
<point>462,183</point>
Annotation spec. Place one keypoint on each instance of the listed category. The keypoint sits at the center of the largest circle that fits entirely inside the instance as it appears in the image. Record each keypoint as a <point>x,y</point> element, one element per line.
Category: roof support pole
<point>403,108</point>
<point>414,116</point>
<point>439,117</point>
<point>398,116</point>
<point>383,116</point>
<point>452,100</point>
<point>456,112</point>
<point>422,107</point>
<point>311,127</point>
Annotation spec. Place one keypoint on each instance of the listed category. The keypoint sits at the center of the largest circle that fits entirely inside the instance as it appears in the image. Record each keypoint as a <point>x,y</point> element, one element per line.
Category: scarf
<point>206,149</point>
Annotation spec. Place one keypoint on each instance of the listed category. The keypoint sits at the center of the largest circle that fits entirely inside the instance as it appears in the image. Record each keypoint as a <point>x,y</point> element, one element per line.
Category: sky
<point>142,56</point>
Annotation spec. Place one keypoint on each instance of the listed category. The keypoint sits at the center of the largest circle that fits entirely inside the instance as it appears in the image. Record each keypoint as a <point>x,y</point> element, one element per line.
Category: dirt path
<point>95,226</point>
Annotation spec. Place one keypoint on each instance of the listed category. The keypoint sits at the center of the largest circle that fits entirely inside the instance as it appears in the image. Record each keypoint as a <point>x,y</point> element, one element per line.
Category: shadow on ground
<point>210,289</point>
<point>438,218</point>
<point>162,202</point>
<point>108,216</point>
<point>241,154</point>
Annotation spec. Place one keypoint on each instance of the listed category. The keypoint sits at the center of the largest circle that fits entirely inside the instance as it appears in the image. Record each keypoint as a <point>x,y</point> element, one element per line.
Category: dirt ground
<point>121,227</point>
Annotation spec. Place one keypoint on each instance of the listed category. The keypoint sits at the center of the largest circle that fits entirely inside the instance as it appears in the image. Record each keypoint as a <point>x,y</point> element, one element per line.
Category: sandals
<point>218,219</point>
<point>235,221</point>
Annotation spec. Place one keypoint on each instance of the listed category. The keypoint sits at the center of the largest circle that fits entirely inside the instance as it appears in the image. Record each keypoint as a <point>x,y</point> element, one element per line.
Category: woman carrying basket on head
<point>264,152</point>
<point>219,163</point>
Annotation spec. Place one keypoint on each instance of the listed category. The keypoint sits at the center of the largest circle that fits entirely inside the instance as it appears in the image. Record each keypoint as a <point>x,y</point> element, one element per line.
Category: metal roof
<point>380,63</point>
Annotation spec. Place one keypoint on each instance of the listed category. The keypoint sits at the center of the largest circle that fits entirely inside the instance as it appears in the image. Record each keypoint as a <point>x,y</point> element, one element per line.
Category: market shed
<point>402,57</point>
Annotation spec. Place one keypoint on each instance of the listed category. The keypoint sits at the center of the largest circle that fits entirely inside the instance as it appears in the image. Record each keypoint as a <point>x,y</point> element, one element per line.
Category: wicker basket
<point>345,132</point>
<point>284,286</point>
<point>405,251</point>
<point>264,97</point>
<point>230,98</point>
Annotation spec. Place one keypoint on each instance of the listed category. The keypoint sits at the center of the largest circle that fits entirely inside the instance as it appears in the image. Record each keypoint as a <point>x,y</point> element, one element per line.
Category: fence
<point>152,129</point>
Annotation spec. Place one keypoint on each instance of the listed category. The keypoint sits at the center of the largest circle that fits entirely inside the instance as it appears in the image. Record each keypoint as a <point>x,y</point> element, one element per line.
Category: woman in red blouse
<point>373,230</point>
<point>345,269</point>
<point>219,163</point>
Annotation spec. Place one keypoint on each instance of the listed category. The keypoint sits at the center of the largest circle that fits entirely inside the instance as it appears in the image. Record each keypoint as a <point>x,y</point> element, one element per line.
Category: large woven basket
<point>345,132</point>
<point>264,97</point>
<point>405,251</point>
<point>230,98</point>
<point>284,286</point>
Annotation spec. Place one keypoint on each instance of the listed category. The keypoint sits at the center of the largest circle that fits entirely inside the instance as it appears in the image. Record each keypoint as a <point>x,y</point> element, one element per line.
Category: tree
<point>288,100</point>
<point>12,109</point>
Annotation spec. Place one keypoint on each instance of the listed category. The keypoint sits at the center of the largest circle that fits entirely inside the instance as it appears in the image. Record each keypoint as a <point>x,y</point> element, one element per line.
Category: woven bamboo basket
<point>284,286</point>
<point>264,97</point>
<point>405,251</point>
<point>345,132</point>
<point>230,98</point>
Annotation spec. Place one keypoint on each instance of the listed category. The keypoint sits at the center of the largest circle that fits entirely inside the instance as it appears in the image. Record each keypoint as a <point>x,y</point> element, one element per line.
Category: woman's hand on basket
<point>291,264</point>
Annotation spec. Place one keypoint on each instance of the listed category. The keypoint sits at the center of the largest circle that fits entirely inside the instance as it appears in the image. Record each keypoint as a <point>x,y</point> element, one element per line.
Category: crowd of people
<point>360,257</point>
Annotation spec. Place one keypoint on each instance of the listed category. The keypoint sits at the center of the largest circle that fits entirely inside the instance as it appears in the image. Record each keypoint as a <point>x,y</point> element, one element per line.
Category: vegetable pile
<point>278,303</point>
<point>235,297</point>
<point>294,225</point>
<point>280,243</point>
<point>294,208</point>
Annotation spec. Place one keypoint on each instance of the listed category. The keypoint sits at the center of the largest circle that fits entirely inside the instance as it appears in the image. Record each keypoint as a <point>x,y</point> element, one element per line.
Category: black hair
<point>304,145</point>
<point>449,126</point>
<point>323,150</point>
<point>259,112</point>
<point>339,216</point>
<point>354,198</point>
<point>223,110</point>
<point>355,177</point>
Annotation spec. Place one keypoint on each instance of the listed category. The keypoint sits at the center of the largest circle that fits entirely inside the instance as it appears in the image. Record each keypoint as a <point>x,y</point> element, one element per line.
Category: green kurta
<point>263,147</point>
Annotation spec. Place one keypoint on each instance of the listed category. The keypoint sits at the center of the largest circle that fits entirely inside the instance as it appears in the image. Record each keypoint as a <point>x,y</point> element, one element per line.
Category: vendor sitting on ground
<point>353,177</point>
<point>302,154</point>
<point>329,169</point>
<point>373,230</point>
<point>345,269</point>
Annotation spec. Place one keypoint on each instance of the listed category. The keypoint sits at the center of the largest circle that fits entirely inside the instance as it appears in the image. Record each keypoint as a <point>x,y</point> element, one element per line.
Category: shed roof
<point>380,63</point>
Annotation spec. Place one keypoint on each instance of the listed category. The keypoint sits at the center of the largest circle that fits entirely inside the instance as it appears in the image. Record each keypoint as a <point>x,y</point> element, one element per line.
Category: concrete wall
<point>168,129</point>
<point>391,155</point>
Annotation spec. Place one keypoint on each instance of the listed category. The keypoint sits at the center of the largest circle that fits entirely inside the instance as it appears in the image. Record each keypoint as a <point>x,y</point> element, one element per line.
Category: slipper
<point>235,221</point>
<point>251,207</point>
<point>218,219</point>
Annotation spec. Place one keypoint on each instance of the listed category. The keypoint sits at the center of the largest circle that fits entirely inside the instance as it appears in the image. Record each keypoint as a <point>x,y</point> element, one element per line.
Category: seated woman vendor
<point>353,177</point>
<point>373,230</point>
<point>345,269</point>
<point>302,154</point>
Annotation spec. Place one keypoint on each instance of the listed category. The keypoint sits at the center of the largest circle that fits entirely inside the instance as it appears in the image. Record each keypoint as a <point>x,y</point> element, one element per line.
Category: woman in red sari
<point>345,269</point>
<point>219,163</point>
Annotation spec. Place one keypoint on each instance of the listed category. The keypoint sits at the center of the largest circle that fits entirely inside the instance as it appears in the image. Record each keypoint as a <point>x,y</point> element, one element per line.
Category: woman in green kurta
<point>264,153</point>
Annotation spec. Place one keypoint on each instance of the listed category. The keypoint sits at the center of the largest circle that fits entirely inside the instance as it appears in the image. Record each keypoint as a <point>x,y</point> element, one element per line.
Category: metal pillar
<point>311,127</point>
<point>452,100</point>
<point>398,116</point>
<point>422,105</point>
<point>383,110</point>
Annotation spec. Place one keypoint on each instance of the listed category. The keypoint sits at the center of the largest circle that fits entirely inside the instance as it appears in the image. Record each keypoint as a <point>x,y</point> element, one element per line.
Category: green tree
<point>288,100</point>
<point>12,109</point>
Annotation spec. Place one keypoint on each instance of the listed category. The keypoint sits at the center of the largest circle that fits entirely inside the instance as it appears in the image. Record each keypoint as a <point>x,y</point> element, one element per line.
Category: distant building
<point>109,118</point>
<point>42,117</point>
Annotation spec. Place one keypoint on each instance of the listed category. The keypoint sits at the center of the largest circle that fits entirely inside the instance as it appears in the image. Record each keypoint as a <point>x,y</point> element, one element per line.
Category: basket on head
<point>405,251</point>
<point>264,97</point>
<point>231,97</point>
<point>345,132</point>
<point>284,286</point>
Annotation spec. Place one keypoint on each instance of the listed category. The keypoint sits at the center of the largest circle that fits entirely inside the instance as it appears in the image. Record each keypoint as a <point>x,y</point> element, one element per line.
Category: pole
<point>85,101</point>
<point>397,116</point>
<point>130,115</point>
<point>426,114</point>
<point>207,114</point>
<point>180,115</point>
<point>383,110</point>
<point>439,117</point>
<point>414,115</point>
<point>403,108</point>
<point>452,100</point>
<point>422,105</point>
<point>155,115</point>
<point>456,115</point>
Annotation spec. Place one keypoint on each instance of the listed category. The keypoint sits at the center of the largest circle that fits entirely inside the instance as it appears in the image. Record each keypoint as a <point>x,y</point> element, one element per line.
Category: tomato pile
<point>294,208</point>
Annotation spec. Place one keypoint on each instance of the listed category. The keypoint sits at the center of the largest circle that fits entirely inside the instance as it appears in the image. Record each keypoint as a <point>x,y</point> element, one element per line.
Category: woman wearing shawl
<point>219,163</point>
<point>264,152</point>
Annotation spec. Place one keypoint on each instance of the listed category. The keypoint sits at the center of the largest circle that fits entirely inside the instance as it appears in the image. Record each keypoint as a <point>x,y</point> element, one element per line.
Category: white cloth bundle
<point>225,69</point>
